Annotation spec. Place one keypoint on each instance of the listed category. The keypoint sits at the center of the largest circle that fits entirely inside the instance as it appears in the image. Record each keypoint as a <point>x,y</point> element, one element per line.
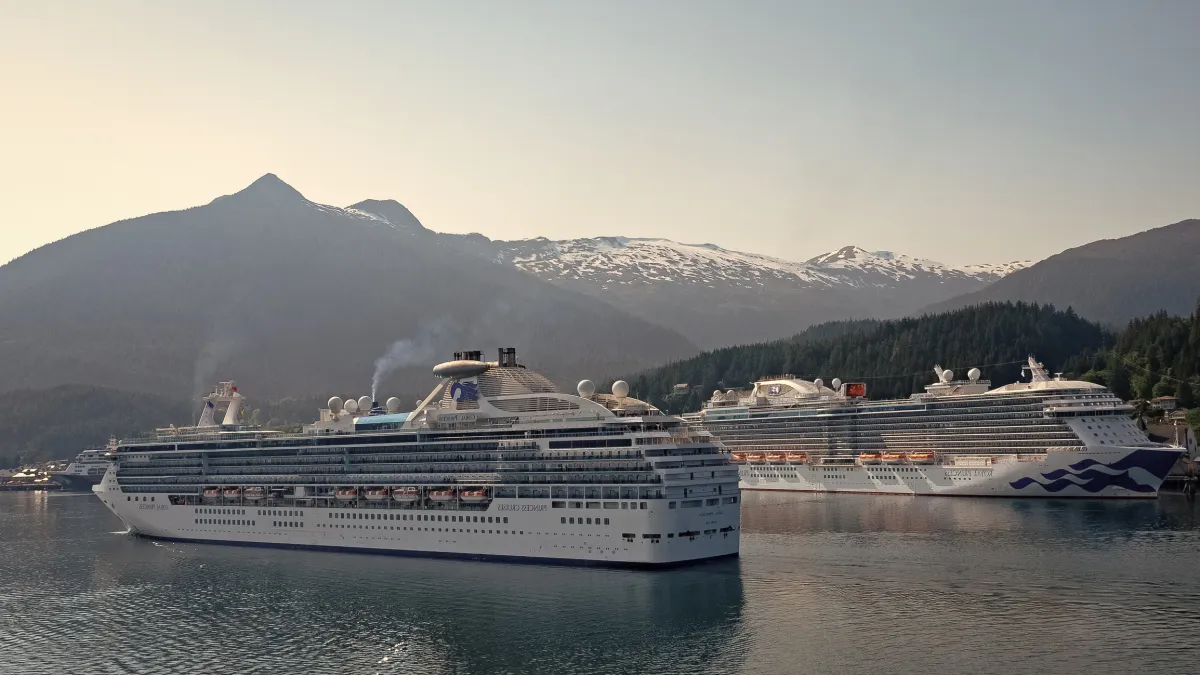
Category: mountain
<point>293,298</point>
<point>1112,280</point>
<point>895,358</point>
<point>718,297</point>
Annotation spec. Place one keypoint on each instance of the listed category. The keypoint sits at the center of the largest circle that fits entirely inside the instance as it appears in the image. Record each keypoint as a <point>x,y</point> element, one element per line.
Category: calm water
<point>826,584</point>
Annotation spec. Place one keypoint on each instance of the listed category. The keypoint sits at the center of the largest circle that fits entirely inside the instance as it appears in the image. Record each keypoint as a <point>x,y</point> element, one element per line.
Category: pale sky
<point>961,131</point>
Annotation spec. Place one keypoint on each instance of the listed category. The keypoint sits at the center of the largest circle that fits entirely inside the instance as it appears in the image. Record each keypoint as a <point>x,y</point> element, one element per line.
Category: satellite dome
<point>973,374</point>
<point>335,404</point>
<point>351,406</point>
<point>586,388</point>
<point>819,382</point>
<point>393,405</point>
<point>364,402</point>
<point>837,384</point>
<point>947,375</point>
<point>620,389</point>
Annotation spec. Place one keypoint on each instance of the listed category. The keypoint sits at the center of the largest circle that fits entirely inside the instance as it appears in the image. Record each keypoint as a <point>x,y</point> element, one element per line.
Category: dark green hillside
<point>894,358</point>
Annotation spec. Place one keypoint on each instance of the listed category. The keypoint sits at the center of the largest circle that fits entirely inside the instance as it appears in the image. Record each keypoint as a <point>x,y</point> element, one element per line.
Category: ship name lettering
<point>521,507</point>
<point>967,473</point>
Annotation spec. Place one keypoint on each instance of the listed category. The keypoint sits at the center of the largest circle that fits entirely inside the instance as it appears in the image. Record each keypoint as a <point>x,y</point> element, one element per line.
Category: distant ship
<point>86,470</point>
<point>494,464</point>
<point>1048,437</point>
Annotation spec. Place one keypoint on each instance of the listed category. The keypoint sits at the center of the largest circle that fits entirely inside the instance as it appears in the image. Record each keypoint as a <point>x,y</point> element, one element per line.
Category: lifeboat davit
<point>869,458</point>
<point>254,493</point>
<point>474,496</point>
<point>377,494</point>
<point>921,457</point>
<point>442,495</point>
<point>233,493</point>
<point>406,495</point>
<point>892,457</point>
<point>212,493</point>
<point>347,495</point>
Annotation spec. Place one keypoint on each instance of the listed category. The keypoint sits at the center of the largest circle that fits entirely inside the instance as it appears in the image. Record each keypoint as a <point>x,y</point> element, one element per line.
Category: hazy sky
<point>962,131</point>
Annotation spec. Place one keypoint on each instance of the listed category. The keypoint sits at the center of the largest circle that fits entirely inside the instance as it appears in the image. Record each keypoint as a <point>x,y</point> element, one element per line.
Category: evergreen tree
<point>1183,394</point>
<point>1118,382</point>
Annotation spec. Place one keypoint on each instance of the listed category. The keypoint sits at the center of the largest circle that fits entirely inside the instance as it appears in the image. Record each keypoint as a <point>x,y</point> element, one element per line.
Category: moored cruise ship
<point>1047,437</point>
<point>86,469</point>
<point>494,463</point>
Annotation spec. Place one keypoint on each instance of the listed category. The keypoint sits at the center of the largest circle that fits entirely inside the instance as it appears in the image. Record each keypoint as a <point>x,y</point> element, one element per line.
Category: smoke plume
<point>420,349</point>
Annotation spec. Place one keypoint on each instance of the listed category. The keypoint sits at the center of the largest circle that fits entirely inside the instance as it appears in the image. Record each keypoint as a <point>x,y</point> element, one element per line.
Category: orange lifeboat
<point>442,495</point>
<point>869,458</point>
<point>739,457</point>
<point>754,458</point>
<point>377,494</point>
<point>212,493</point>
<point>347,494</point>
<point>798,457</point>
<point>232,493</point>
<point>474,496</point>
<point>892,457</point>
<point>775,457</point>
<point>922,457</point>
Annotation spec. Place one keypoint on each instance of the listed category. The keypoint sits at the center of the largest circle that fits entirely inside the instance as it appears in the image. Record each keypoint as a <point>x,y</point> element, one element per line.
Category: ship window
<point>489,519</point>
<point>505,520</point>
<point>589,521</point>
<point>606,521</point>
<point>644,506</point>
<point>624,505</point>
<point>563,520</point>
<point>558,505</point>
<point>572,521</point>
<point>127,499</point>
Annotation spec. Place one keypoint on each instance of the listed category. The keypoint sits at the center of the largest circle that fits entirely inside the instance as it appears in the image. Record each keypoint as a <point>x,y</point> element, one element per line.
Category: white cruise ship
<point>494,463</point>
<point>1048,437</point>
<point>86,470</point>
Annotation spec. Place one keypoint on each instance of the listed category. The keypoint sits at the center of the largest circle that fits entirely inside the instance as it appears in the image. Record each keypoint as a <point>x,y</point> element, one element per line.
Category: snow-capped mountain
<point>717,296</point>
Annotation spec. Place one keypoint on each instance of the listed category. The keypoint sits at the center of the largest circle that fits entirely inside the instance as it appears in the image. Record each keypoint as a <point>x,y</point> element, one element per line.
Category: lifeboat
<point>406,495</point>
<point>798,457</point>
<point>892,457</point>
<point>377,494</point>
<point>775,457</point>
<point>233,493</point>
<point>921,457</point>
<point>474,496</point>
<point>346,495</point>
<point>739,457</point>
<point>254,493</point>
<point>442,495</point>
<point>212,493</point>
<point>754,458</point>
<point>869,458</point>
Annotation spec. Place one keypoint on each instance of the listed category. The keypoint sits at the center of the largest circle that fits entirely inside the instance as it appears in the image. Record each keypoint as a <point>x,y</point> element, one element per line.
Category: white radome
<point>351,406</point>
<point>837,383</point>
<point>364,402</point>
<point>620,389</point>
<point>586,388</point>
<point>947,375</point>
<point>335,404</point>
<point>393,405</point>
<point>973,374</point>
<point>819,382</point>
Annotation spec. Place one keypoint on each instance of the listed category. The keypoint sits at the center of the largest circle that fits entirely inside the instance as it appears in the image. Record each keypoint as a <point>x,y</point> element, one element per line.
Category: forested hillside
<point>894,358</point>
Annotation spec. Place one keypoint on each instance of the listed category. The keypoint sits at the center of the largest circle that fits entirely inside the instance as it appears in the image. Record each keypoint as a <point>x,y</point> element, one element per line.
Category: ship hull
<point>77,482</point>
<point>1133,472</point>
<point>521,530</point>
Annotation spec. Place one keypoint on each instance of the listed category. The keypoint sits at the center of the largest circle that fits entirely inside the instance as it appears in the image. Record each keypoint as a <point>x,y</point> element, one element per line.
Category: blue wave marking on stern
<point>1155,462</point>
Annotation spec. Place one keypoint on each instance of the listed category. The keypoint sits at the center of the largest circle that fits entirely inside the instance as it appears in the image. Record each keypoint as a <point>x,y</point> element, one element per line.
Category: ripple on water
<point>826,584</point>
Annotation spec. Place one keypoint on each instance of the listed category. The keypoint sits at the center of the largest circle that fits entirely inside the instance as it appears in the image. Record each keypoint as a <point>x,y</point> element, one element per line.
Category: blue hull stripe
<point>447,554</point>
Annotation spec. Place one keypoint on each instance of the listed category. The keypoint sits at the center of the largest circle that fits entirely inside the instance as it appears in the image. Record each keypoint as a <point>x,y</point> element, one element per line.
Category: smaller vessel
<point>406,495</point>
<point>87,468</point>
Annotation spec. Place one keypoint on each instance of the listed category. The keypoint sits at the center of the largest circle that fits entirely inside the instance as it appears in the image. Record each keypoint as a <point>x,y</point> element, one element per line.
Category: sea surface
<point>834,584</point>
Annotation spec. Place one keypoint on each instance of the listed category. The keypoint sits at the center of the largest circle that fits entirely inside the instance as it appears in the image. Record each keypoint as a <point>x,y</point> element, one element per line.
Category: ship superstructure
<point>1047,437</point>
<point>494,463</point>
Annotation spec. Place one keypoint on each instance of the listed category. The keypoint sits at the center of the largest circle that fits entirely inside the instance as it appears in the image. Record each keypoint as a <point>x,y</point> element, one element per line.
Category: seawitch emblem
<point>1094,476</point>
<point>464,391</point>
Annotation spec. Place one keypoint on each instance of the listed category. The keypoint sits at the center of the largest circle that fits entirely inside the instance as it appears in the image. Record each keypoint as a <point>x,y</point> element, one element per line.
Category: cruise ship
<point>86,470</point>
<point>1047,437</point>
<point>495,463</point>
